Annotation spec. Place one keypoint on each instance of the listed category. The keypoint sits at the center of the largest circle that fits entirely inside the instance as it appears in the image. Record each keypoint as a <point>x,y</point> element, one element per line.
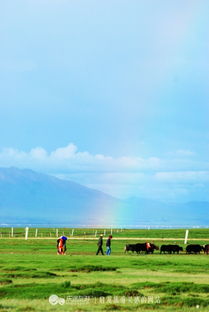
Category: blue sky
<point>111,94</point>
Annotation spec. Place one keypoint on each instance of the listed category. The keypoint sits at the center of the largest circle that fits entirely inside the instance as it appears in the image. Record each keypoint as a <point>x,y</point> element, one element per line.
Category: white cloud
<point>62,153</point>
<point>38,153</point>
<point>182,153</point>
<point>124,176</point>
<point>185,153</point>
<point>69,158</point>
<point>183,176</point>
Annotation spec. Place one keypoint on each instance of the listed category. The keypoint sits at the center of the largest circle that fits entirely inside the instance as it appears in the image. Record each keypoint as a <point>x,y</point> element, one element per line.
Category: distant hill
<point>30,197</point>
<point>153,212</point>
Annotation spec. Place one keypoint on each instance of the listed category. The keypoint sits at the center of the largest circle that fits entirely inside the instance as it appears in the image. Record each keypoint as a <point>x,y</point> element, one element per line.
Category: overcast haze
<point>111,94</point>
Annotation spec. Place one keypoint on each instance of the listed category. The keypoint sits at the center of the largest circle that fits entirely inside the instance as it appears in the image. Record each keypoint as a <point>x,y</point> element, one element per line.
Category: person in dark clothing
<point>99,244</point>
<point>108,245</point>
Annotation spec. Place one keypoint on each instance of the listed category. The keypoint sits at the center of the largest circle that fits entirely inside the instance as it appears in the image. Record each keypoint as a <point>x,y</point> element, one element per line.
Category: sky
<point>110,94</point>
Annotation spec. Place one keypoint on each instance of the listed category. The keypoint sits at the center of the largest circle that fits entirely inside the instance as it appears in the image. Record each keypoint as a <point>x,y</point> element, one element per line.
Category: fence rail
<point>92,233</point>
<point>53,232</point>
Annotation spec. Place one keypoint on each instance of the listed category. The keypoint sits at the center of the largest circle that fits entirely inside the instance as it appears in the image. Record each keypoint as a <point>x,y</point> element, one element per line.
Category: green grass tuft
<point>66,284</point>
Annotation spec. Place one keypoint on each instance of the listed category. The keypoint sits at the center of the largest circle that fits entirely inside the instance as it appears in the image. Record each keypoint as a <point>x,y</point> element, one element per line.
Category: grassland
<point>30,272</point>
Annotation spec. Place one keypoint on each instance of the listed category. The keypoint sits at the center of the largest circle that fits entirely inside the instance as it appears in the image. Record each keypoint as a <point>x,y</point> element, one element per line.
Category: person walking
<point>99,244</point>
<point>108,245</point>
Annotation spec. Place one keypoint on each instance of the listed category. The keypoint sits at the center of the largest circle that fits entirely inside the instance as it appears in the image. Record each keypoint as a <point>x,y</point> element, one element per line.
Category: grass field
<point>30,272</point>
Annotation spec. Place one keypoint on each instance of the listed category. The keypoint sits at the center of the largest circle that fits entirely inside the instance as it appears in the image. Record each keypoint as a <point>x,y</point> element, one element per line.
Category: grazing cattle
<point>177,248</point>
<point>194,249</point>
<point>130,247</point>
<point>140,247</point>
<point>146,247</point>
<point>152,248</point>
<point>170,249</point>
<point>164,249</point>
<point>206,249</point>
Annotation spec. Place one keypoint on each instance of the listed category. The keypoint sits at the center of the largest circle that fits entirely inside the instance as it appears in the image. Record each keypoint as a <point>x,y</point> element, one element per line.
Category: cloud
<point>170,177</point>
<point>183,176</point>
<point>38,153</point>
<point>63,153</point>
<point>182,153</point>
<point>69,158</point>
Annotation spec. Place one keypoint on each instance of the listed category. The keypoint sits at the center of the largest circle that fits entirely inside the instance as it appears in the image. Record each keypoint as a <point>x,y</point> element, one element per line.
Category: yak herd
<point>149,248</point>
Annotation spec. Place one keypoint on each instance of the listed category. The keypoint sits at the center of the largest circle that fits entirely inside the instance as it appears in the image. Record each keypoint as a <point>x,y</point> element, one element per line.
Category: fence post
<point>12,232</point>
<point>72,232</point>
<point>36,233</point>
<point>57,233</point>
<point>186,237</point>
<point>26,232</point>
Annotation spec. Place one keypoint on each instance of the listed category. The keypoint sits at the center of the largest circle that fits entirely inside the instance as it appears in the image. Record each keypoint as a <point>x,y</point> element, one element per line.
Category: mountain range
<point>29,197</point>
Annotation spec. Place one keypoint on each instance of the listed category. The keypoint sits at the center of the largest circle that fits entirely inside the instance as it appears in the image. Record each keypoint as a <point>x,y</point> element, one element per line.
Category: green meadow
<point>31,272</point>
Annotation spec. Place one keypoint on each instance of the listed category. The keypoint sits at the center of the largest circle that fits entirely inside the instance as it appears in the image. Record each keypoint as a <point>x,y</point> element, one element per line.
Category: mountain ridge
<point>30,197</point>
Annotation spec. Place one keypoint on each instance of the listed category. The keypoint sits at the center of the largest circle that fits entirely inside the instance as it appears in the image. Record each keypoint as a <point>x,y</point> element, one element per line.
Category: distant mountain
<point>153,212</point>
<point>30,197</point>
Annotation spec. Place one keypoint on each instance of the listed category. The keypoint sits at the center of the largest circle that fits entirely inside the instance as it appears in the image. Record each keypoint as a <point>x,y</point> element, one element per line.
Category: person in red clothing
<point>148,246</point>
<point>60,245</point>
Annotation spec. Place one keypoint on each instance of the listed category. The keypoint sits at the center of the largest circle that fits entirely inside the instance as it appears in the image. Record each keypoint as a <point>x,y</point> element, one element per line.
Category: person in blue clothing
<point>108,245</point>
